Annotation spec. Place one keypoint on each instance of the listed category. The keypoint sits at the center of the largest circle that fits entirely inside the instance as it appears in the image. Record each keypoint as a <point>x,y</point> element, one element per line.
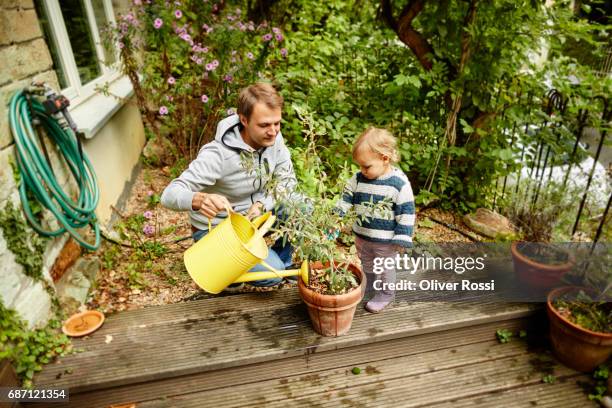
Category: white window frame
<point>76,91</point>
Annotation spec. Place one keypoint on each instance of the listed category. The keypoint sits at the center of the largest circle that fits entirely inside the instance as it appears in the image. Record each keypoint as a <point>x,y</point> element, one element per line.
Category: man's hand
<point>255,210</point>
<point>209,204</point>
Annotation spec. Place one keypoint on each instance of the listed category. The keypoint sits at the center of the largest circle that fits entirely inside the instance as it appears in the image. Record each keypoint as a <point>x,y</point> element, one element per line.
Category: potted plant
<point>335,285</point>
<point>581,314</point>
<point>538,263</point>
<point>580,327</point>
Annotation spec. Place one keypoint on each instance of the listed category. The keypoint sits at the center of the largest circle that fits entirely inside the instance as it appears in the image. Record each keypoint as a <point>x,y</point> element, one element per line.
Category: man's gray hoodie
<point>218,170</point>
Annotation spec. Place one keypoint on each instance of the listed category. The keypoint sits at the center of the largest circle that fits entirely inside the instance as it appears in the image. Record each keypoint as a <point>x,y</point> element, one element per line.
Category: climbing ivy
<point>28,349</point>
<point>28,248</point>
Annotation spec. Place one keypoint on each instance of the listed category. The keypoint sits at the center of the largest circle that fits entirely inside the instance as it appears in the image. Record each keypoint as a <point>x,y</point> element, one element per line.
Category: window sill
<point>92,114</point>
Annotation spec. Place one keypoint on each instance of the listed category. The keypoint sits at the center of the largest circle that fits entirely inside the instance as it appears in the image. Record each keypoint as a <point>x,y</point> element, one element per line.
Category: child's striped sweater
<point>395,225</point>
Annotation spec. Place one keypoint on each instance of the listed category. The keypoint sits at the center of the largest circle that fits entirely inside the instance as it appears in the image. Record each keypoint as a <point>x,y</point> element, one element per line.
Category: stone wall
<point>26,58</point>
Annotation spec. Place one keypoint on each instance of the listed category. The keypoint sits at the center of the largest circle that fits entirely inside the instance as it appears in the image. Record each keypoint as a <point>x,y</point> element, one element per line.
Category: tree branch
<point>408,35</point>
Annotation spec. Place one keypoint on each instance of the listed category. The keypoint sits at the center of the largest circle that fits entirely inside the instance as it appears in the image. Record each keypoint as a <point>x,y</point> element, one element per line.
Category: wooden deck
<point>259,350</point>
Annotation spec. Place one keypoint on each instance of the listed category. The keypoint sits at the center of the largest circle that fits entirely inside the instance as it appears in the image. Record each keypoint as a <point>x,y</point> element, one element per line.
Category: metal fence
<point>544,150</point>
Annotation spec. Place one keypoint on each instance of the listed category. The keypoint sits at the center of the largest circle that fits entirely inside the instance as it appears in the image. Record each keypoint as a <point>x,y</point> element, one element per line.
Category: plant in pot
<point>538,263</point>
<point>336,284</point>
<point>581,314</point>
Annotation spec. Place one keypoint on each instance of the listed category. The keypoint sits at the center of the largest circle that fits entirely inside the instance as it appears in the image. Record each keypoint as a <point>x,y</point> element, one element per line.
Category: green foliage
<point>142,232</point>
<point>110,255</point>
<point>197,56</point>
<point>356,370</point>
<point>28,247</point>
<point>503,335</point>
<point>153,199</point>
<point>28,349</point>
<point>600,375</point>
<point>586,312</point>
<point>549,379</point>
<point>349,71</point>
<point>177,168</point>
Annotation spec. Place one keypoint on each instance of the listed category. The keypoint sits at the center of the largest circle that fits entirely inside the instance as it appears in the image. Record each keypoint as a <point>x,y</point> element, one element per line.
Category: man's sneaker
<point>234,288</point>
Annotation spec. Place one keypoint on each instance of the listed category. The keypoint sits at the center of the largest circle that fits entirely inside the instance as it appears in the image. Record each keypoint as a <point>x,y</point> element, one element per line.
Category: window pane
<point>81,39</point>
<point>102,23</point>
<point>43,20</point>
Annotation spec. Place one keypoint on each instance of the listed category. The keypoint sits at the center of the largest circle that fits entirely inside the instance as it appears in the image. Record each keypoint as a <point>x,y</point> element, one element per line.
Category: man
<point>218,178</point>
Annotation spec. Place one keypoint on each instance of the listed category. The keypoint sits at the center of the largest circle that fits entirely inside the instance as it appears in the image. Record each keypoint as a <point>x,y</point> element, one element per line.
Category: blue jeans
<point>279,257</point>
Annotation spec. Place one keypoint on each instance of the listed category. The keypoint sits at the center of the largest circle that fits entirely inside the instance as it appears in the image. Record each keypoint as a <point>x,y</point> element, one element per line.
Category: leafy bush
<point>28,349</point>
<point>196,55</point>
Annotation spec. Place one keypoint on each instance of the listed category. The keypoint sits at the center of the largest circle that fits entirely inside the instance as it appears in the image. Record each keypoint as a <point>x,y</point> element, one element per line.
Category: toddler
<point>379,235</point>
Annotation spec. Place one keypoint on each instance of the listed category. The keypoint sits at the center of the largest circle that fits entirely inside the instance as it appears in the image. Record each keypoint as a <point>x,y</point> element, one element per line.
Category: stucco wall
<point>114,152</point>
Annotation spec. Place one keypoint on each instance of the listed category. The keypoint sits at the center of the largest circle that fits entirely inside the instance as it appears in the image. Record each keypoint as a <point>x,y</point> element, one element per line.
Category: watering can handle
<point>261,231</point>
<point>228,209</point>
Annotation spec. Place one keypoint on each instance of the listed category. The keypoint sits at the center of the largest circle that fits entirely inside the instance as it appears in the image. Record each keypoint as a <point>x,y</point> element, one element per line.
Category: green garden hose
<point>38,182</point>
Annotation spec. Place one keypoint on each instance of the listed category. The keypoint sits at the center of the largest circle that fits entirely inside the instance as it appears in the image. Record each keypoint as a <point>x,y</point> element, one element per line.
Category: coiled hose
<point>37,175</point>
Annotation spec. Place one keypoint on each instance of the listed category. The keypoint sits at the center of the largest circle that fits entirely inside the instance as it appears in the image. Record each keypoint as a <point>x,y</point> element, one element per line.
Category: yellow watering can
<point>226,254</point>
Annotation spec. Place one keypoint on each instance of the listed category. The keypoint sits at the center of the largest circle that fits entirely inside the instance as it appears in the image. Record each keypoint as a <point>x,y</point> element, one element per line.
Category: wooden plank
<point>8,378</point>
<point>148,353</point>
<point>303,365</point>
<point>566,394</point>
<point>409,381</point>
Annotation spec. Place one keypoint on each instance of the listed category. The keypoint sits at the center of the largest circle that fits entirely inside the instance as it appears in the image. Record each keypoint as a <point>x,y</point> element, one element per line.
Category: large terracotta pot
<point>332,315</point>
<point>575,346</point>
<point>536,276</point>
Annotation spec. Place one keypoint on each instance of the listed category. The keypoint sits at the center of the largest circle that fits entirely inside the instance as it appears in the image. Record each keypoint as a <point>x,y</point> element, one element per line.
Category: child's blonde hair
<point>380,141</point>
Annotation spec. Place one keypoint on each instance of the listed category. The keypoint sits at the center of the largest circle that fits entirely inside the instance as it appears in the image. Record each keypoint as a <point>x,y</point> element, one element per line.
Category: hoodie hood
<point>228,134</point>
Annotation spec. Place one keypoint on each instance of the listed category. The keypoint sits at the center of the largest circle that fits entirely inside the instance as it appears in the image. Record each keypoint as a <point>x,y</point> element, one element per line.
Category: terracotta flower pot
<point>332,315</point>
<point>536,276</point>
<point>575,346</point>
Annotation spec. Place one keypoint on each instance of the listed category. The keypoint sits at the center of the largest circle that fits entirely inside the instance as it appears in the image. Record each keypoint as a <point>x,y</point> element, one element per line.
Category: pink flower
<point>169,98</point>
<point>121,45</point>
<point>250,55</point>
<point>276,30</point>
<point>283,52</point>
<point>163,110</point>
<point>267,37</point>
<point>178,14</point>
<point>228,78</point>
<point>198,61</point>
<point>215,63</point>
<point>158,23</point>
<point>205,49</point>
<point>171,80</point>
<point>147,214</point>
<point>279,37</point>
<point>150,193</point>
<point>204,98</point>
<point>138,2</point>
<point>148,230</point>
<point>210,67</point>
